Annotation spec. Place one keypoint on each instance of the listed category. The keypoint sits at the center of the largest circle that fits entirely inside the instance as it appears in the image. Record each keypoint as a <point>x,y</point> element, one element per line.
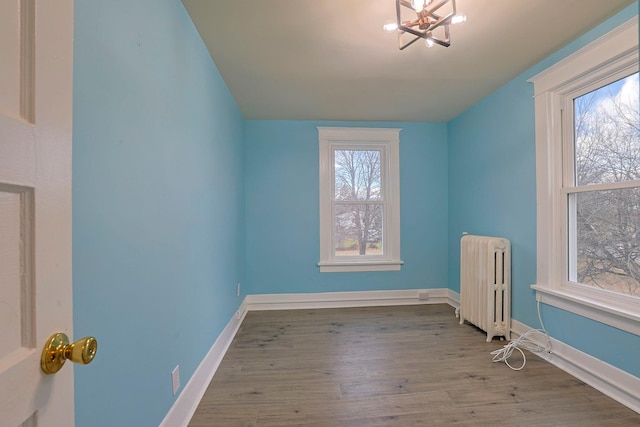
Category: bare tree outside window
<point>358,207</point>
<point>607,221</point>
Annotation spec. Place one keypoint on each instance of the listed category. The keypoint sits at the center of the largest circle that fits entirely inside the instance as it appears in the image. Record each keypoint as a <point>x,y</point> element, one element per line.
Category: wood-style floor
<point>388,366</point>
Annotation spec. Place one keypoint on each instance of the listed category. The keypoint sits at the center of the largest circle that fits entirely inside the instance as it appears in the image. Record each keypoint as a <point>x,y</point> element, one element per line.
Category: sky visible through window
<point>601,103</point>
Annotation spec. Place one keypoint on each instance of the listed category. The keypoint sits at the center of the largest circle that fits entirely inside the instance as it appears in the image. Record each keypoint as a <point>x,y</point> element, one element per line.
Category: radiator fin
<point>485,284</point>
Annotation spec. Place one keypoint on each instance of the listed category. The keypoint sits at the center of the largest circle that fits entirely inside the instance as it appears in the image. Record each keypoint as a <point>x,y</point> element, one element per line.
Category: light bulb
<point>391,26</point>
<point>417,5</point>
<point>429,42</point>
<point>459,18</point>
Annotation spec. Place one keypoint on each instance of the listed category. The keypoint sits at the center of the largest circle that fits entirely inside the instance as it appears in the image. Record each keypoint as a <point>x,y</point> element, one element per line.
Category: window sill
<point>624,318</point>
<point>352,266</point>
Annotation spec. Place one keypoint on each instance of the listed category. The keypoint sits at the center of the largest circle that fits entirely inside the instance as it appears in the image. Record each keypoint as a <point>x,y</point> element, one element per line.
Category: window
<point>359,199</point>
<point>588,181</point>
<point>603,188</point>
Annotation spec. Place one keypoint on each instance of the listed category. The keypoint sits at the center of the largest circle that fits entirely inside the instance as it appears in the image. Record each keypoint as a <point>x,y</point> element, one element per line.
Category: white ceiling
<point>331,60</point>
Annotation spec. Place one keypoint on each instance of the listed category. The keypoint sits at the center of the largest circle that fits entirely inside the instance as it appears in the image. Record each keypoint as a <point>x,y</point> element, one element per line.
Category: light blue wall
<point>157,205</point>
<point>492,191</point>
<point>281,177</point>
<point>492,184</point>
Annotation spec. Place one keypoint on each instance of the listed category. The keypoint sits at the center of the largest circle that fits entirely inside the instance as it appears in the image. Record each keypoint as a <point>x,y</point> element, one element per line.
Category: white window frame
<point>387,140</point>
<point>610,57</point>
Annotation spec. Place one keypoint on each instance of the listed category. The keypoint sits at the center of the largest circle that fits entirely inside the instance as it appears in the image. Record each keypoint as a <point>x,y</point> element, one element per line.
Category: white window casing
<point>610,57</point>
<point>385,140</point>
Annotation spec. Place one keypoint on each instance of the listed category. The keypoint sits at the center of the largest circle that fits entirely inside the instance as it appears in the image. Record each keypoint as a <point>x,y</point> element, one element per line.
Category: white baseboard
<point>347,299</point>
<point>453,298</point>
<point>187,402</point>
<point>611,381</point>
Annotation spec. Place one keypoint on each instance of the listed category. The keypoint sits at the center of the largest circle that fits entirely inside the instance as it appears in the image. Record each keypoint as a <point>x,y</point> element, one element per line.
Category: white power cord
<point>524,341</point>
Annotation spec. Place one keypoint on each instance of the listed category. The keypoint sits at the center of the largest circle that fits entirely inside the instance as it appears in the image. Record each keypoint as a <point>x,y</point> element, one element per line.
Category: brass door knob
<point>57,350</point>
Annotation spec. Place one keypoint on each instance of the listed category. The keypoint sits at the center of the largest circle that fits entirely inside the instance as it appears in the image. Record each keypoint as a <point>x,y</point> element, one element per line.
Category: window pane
<point>607,134</point>
<point>358,229</point>
<point>607,240</point>
<point>357,175</point>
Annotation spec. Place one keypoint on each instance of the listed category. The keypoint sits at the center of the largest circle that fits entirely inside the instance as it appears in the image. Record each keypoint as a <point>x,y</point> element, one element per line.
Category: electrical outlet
<point>423,295</point>
<point>175,379</point>
<point>238,289</point>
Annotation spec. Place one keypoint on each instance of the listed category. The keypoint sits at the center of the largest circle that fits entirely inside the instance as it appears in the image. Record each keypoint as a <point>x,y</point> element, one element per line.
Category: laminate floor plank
<point>388,366</point>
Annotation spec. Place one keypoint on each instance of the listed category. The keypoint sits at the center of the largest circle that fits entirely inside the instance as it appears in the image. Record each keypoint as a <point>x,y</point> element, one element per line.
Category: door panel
<point>16,264</point>
<point>36,63</point>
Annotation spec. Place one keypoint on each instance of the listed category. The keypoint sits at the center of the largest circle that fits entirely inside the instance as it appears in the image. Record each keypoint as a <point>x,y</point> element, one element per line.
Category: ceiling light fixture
<point>424,19</point>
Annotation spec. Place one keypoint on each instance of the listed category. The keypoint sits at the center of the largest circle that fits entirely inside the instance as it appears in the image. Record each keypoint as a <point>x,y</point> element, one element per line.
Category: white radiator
<point>485,284</point>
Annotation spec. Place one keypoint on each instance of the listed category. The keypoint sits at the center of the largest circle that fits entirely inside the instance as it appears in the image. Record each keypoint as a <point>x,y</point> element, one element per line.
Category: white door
<point>36,66</point>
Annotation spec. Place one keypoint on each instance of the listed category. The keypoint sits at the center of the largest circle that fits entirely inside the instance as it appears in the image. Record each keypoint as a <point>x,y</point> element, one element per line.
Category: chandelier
<point>427,20</point>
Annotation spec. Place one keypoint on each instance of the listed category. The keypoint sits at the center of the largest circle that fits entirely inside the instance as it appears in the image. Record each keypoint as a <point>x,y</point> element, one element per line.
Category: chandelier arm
<point>399,12</point>
<point>409,24</point>
<point>412,31</point>
<point>447,40</point>
<point>445,20</point>
<point>401,46</point>
<point>437,6</point>
<point>444,43</point>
